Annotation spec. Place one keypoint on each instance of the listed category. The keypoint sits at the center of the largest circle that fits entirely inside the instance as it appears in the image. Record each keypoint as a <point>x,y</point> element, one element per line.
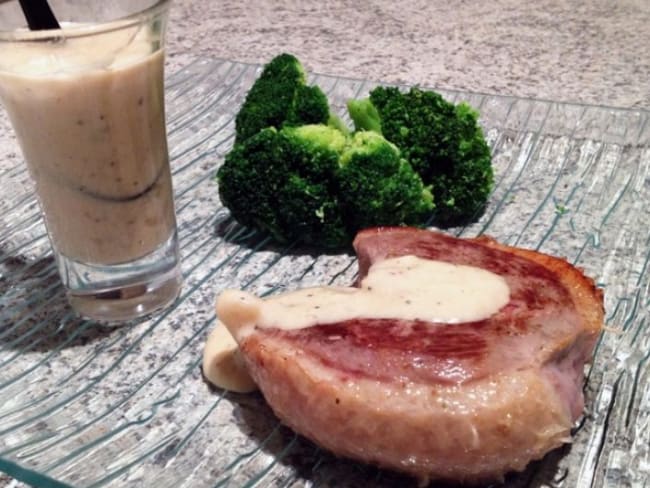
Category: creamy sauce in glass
<point>89,115</point>
<point>406,287</point>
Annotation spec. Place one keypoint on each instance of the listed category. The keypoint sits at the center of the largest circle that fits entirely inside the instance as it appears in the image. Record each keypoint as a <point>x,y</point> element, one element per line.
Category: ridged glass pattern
<point>87,406</point>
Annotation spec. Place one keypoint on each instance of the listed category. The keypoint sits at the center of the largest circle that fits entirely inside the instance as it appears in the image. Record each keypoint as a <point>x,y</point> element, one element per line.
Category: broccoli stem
<point>364,115</point>
<point>335,122</point>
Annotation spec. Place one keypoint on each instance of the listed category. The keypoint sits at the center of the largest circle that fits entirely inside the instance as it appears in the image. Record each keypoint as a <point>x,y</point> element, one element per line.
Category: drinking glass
<point>87,105</point>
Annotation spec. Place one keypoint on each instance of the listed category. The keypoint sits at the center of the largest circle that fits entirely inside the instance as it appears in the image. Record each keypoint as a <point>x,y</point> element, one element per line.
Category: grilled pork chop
<point>466,402</point>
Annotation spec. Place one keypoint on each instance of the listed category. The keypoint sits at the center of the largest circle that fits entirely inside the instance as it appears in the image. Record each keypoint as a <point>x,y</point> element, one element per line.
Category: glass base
<point>126,291</point>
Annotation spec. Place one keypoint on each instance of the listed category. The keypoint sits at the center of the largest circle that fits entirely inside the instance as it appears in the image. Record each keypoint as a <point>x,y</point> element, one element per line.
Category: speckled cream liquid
<point>88,111</point>
<point>95,144</point>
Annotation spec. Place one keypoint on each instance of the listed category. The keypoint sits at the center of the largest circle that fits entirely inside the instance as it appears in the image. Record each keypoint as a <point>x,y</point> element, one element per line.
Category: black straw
<point>39,15</point>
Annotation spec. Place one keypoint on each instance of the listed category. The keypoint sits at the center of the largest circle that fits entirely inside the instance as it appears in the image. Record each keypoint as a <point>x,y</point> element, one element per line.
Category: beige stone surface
<point>593,52</point>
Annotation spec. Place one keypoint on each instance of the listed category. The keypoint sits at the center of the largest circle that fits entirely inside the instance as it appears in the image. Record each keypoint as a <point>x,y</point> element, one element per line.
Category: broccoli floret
<point>319,136</point>
<point>315,185</point>
<point>443,143</point>
<point>284,182</point>
<point>296,172</point>
<point>279,97</point>
<point>379,187</point>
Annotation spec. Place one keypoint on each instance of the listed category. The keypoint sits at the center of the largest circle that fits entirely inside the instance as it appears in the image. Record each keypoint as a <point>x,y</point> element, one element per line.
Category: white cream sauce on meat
<point>406,287</point>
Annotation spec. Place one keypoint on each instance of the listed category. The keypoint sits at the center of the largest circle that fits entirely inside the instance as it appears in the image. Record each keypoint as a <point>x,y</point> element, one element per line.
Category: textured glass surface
<point>86,406</point>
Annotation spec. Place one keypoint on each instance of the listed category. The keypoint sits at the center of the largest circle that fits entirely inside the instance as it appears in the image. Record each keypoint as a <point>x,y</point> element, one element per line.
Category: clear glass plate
<point>83,405</point>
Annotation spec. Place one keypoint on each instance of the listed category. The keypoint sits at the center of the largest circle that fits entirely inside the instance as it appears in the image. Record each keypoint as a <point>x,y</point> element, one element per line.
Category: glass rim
<point>85,30</point>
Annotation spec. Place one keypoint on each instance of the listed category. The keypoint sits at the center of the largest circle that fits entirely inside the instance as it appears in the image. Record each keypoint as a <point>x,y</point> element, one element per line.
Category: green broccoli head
<point>443,143</point>
<point>472,178</point>
<point>318,136</point>
<point>378,187</point>
<point>279,97</point>
<point>316,185</point>
<point>284,182</point>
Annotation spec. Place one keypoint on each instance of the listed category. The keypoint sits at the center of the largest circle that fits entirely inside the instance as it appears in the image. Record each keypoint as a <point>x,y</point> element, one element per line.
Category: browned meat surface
<point>464,402</point>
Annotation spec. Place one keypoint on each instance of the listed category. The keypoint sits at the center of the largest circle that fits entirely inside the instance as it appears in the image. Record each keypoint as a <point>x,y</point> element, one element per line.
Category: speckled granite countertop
<point>566,50</point>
